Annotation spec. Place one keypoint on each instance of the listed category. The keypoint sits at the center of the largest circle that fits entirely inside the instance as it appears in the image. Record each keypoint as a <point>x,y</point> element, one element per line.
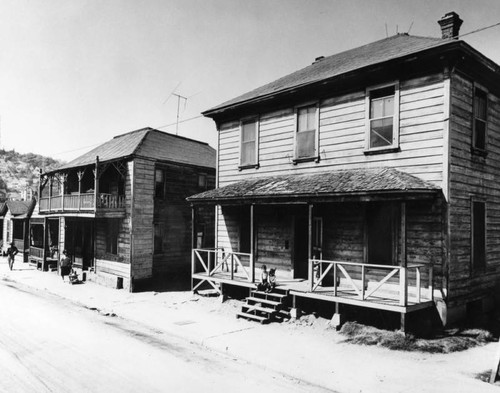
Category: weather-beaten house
<point>370,178</point>
<point>120,210</point>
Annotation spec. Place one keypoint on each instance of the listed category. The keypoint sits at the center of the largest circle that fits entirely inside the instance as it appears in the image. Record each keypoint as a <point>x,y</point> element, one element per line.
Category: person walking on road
<point>65,265</point>
<point>11,253</point>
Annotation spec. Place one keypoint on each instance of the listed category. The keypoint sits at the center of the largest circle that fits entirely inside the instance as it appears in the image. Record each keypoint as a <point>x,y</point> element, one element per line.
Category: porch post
<point>193,243</point>
<point>96,181</point>
<point>252,244</point>
<point>309,245</point>
<point>403,263</point>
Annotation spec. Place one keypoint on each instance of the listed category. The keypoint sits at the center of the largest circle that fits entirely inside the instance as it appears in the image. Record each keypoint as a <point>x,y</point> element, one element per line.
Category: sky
<point>76,73</point>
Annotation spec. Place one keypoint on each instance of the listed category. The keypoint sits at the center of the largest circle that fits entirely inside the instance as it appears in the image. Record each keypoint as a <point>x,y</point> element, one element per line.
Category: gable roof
<point>148,142</point>
<point>336,183</point>
<point>394,47</point>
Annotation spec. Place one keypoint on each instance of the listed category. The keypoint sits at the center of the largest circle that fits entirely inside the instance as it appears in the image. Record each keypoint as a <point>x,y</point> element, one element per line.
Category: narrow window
<point>478,236</point>
<point>382,119</point>
<point>159,184</point>
<point>480,119</point>
<point>202,181</point>
<point>112,231</point>
<point>248,143</point>
<point>305,141</point>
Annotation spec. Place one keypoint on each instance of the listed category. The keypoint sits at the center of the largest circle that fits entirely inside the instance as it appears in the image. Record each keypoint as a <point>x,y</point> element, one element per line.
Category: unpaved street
<point>48,344</point>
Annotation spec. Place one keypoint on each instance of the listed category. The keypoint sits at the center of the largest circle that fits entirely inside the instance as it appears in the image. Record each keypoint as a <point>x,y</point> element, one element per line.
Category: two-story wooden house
<point>120,209</point>
<point>370,178</point>
<point>15,228</point>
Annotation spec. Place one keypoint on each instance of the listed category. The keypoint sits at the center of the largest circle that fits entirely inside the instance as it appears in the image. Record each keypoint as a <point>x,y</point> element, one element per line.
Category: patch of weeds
<point>396,340</point>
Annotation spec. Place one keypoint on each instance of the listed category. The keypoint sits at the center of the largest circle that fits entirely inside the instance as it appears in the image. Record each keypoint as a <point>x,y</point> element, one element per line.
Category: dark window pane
<point>478,236</point>
<point>480,134</point>
<point>381,131</point>
<point>480,104</point>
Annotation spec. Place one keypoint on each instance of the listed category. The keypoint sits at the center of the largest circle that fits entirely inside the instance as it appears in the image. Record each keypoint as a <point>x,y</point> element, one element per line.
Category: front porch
<point>384,287</point>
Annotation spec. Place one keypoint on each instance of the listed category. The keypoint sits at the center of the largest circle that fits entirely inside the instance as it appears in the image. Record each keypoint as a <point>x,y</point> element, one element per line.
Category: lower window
<point>478,257</point>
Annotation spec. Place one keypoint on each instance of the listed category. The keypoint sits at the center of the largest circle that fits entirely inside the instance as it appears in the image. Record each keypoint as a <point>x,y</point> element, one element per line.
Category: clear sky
<point>75,73</point>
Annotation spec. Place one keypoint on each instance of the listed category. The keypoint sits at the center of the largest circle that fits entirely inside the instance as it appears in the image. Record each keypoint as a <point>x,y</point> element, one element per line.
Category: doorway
<point>381,233</point>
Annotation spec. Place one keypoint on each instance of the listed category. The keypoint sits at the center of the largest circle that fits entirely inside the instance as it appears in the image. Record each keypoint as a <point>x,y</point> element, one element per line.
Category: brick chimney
<point>450,25</point>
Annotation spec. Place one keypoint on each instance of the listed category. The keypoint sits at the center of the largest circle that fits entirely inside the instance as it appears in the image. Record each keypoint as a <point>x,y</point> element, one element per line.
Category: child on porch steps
<point>263,285</point>
<point>271,279</point>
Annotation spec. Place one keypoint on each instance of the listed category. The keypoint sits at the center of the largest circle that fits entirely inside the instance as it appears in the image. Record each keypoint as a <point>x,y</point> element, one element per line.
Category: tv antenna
<point>179,98</point>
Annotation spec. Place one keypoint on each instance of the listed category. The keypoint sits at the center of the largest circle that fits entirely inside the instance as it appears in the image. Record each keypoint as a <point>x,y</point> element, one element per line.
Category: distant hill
<point>19,172</point>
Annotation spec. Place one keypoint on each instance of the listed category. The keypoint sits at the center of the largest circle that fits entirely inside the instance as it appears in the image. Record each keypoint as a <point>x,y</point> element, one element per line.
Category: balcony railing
<point>85,202</point>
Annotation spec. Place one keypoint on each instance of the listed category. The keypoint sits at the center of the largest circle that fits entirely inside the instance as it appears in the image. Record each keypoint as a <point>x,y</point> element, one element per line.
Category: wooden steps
<point>265,307</point>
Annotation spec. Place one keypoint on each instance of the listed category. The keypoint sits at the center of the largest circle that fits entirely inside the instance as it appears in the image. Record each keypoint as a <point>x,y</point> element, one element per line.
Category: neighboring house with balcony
<point>15,228</point>
<point>120,210</point>
<point>370,178</point>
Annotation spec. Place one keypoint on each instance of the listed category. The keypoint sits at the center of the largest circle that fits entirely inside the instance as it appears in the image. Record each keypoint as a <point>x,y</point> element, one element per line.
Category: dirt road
<point>48,344</point>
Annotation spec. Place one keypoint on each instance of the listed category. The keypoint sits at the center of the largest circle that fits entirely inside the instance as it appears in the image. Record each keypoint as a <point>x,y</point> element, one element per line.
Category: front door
<point>380,232</point>
<point>300,252</point>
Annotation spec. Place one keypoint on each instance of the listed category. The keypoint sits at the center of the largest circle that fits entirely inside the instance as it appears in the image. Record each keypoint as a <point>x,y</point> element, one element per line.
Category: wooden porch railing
<point>81,202</point>
<point>111,201</point>
<point>335,270</point>
<point>216,260</point>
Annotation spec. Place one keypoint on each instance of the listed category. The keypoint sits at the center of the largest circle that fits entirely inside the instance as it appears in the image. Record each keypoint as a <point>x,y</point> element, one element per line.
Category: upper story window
<point>160,184</point>
<point>306,138</point>
<point>480,121</point>
<point>382,118</point>
<point>202,181</point>
<point>249,143</point>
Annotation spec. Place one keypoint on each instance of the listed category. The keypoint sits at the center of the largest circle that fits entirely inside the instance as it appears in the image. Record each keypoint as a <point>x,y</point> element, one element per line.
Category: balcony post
<point>80,176</point>
<point>50,192</point>
<point>62,181</point>
<point>39,187</point>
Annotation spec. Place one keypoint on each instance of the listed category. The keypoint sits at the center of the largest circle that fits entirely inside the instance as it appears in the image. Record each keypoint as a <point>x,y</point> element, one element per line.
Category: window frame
<point>475,267</point>
<point>315,157</point>
<point>164,183</point>
<point>246,165</point>
<point>475,149</point>
<point>395,119</point>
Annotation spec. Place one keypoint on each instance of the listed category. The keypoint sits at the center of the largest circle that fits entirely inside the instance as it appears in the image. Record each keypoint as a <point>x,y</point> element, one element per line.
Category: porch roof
<point>337,184</point>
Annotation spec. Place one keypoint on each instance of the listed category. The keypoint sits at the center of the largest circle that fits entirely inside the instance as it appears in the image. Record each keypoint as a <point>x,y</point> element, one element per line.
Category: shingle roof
<point>376,52</point>
<point>333,183</point>
<point>148,142</point>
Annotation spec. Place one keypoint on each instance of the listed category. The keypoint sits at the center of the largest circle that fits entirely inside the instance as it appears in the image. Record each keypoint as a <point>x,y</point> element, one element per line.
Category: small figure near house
<point>12,251</point>
<point>263,285</point>
<point>271,280</point>
<point>65,265</point>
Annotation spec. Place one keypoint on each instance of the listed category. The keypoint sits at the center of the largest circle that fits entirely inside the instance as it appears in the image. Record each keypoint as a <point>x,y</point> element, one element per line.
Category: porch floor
<point>383,299</point>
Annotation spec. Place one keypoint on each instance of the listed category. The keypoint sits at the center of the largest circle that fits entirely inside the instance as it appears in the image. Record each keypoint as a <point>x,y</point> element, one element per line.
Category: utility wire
<point>475,31</point>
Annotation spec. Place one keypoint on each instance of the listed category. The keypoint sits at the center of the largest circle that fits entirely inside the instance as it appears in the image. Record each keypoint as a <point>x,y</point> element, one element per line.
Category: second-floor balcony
<point>82,202</point>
